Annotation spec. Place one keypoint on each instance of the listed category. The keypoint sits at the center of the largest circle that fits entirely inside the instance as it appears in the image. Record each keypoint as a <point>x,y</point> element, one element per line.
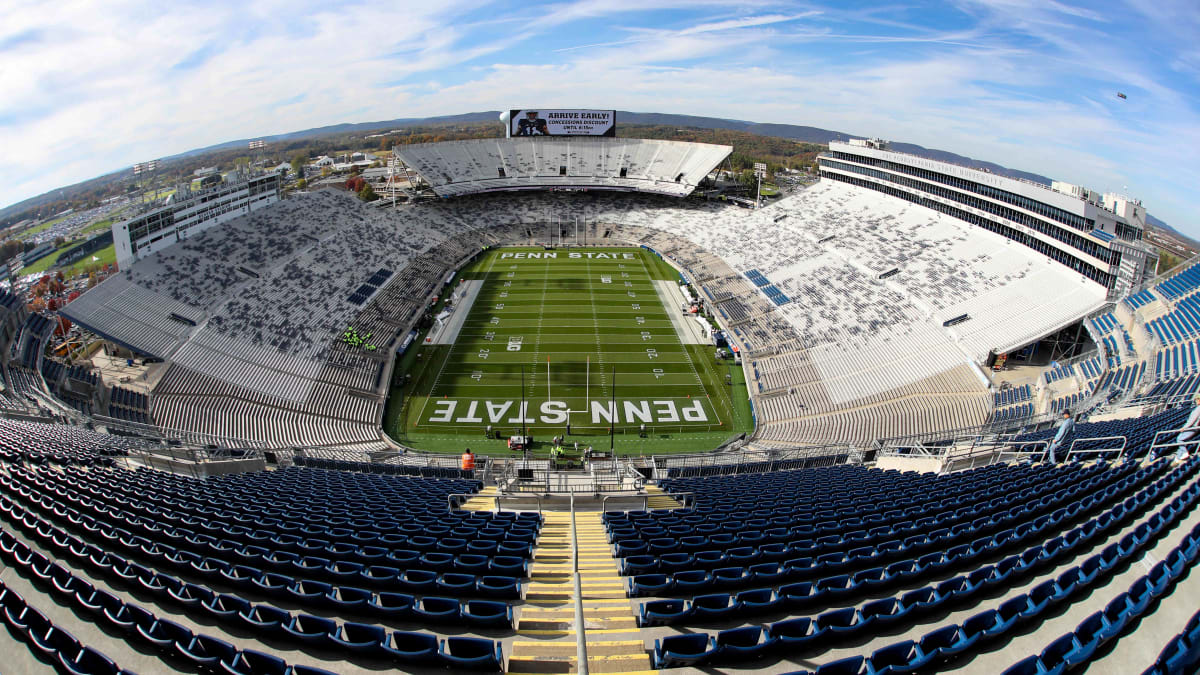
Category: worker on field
<point>468,460</point>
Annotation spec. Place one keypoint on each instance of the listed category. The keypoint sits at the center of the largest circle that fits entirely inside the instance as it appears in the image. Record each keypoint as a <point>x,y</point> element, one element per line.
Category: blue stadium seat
<point>793,635</point>
<point>879,615</point>
<point>314,631</point>
<point>851,665</point>
<point>1087,639</point>
<point>740,644</point>
<point>415,649</point>
<point>361,640</point>
<point>251,662</point>
<point>488,613</point>
<point>88,662</point>
<point>437,610</point>
<point>663,612</point>
<point>205,652</point>
<point>164,633</point>
<point>265,620</point>
<point>677,651</point>
<point>472,654</point>
<point>893,659</point>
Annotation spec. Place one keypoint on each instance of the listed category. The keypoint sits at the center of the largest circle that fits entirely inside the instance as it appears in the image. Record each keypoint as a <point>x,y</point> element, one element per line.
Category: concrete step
<point>481,501</point>
<point>615,656</point>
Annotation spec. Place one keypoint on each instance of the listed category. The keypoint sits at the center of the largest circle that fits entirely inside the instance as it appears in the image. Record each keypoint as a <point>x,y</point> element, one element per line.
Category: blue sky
<point>93,87</point>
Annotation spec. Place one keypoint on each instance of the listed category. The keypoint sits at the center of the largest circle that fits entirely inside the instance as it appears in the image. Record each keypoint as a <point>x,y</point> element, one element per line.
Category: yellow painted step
<point>564,633</point>
<point>626,623</point>
<point>547,612</point>
<point>621,663</point>
<point>481,501</point>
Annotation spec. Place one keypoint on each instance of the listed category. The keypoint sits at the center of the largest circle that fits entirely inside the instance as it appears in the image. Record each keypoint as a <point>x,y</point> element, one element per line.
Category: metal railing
<point>748,459</point>
<point>681,497</point>
<point>190,458</point>
<point>937,443</point>
<point>1119,449</point>
<point>451,505</point>
<point>1164,276</point>
<point>181,435</point>
<point>1156,445</point>
<point>580,623</point>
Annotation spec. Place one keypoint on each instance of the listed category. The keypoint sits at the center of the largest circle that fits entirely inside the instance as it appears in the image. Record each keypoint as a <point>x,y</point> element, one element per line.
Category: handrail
<point>580,624</point>
<point>645,499</point>
<point>450,498</point>
<point>1091,451</point>
<point>1155,444</point>
<point>1043,442</point>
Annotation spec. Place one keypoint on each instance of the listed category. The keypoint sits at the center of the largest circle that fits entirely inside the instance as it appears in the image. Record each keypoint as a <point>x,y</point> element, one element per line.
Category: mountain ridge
<point>795,132</point>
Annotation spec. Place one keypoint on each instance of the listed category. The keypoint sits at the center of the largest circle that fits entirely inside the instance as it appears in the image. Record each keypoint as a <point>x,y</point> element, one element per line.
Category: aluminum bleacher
<point>672,168</point>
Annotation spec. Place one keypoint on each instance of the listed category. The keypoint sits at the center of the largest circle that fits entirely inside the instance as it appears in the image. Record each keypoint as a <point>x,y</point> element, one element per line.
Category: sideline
<point>685,326</point>
<point>449,333</point>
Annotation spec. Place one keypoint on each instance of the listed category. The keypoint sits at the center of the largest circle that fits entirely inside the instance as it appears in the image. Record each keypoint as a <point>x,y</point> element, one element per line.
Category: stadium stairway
<point>483,500</point>
<point>657,499</point>
<point>546,629</point>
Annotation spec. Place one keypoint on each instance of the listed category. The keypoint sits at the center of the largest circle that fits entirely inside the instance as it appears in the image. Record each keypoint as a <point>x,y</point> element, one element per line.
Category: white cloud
<point>89,89</point>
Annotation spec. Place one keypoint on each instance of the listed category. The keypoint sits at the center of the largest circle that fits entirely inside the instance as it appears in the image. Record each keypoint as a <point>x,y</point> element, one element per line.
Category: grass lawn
<point>108,254</point>
<point>552,334</point>
<point>45,263</point>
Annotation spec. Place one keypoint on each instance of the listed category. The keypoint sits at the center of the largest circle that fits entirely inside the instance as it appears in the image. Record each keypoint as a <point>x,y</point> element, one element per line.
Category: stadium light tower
<point>144,168</point>
<point>257,145</point>
<point>760,172</point>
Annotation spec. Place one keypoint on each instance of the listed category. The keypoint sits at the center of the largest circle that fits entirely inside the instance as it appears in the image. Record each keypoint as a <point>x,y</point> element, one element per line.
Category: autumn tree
<point>298,161</point>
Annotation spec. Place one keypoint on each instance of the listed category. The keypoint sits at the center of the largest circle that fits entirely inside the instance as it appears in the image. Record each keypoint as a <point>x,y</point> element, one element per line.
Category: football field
<point>579,337</point>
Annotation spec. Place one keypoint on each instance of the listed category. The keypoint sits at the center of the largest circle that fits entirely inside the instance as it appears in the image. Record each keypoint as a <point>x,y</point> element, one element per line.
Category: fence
<point>752,460</point>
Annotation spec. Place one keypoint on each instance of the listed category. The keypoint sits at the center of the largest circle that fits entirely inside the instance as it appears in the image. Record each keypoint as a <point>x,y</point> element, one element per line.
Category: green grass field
<point>106,255</point>
<point>591,317</point>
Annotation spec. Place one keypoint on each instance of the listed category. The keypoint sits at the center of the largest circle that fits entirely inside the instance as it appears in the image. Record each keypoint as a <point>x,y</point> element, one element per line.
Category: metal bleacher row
<point>462,167</point>
<point>249,573</point>
<point>350,567</point>
<point>855,544</point>
<point>1013,395</point>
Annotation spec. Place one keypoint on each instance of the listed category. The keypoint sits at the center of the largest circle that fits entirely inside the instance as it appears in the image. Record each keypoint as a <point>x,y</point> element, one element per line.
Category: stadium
<point>819,435</point>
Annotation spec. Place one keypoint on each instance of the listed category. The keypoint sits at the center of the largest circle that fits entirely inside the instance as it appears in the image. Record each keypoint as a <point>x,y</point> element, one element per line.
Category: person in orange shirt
<point>468,460</point>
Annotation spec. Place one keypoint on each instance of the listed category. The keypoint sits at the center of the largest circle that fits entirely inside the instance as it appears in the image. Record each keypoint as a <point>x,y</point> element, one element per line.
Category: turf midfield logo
<point>556,412</point>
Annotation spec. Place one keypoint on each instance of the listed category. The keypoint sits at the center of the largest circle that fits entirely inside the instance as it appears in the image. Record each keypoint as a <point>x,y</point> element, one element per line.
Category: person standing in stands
<point>1065,427</point>
<point>1189,430</point>
<point>468,460</point>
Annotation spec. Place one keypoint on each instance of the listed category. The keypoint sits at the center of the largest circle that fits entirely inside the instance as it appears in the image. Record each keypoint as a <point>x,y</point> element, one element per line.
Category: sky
<point>91,87</point>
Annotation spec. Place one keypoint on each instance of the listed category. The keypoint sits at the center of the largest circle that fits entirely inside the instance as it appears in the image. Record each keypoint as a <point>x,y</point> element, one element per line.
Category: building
<point>190,212</point>
<point>1099,237</point>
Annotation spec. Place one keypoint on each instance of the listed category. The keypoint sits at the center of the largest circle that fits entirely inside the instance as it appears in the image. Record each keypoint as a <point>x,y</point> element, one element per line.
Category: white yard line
<point>537,347</point>
<point>596,330</point>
